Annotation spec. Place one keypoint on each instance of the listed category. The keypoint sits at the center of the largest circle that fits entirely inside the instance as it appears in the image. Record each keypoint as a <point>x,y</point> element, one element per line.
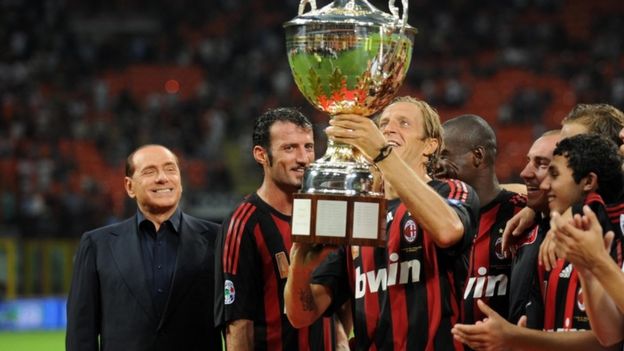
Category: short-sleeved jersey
<point>489,270</point>
<point>252,262</point>
<point>404,294</point>
<point>563,297</point>
<point>525,288</point>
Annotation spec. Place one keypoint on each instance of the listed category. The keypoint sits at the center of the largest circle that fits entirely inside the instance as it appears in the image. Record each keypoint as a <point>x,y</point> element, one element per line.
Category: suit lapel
<point>126,252</point>
<point>191,253</point>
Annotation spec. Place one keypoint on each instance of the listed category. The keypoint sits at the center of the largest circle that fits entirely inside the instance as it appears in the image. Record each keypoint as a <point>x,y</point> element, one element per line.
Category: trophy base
<point>339,219</point>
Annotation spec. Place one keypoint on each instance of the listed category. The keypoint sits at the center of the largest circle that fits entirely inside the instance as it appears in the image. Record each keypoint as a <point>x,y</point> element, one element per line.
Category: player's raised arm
<point>405,170</point>
<point>305,302</point>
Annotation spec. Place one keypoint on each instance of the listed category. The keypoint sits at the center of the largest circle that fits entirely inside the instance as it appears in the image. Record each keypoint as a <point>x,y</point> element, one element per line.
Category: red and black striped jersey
<point>615,211</point>
<point>489,270</point>
<point>404,294</point>
<point>525,288</point>
<point>564,308</point>
<point>252,262</point>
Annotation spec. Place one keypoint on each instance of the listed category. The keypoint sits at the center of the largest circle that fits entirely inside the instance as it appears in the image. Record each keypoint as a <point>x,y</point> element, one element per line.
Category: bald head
<point>467,132</point>
<point>130,164</point>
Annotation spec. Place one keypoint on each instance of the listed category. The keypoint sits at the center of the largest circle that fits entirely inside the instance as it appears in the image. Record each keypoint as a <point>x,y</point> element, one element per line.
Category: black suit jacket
<point>109,296</point>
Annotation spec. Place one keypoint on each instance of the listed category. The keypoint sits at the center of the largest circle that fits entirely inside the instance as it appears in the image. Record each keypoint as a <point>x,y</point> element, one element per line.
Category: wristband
<point>383,153</point>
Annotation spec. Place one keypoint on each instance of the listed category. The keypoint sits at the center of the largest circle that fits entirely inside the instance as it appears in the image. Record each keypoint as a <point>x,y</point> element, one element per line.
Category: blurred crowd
<point>82,83</point>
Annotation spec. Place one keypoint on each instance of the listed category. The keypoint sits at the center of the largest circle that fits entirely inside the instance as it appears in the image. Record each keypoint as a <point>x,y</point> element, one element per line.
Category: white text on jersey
<point>492,281</point>
<point>382,278</point>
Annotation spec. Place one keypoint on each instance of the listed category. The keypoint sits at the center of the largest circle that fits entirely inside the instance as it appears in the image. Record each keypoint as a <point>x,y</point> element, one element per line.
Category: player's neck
<point>277,197</point>
<point>389,192</point>
<point>487,188</point>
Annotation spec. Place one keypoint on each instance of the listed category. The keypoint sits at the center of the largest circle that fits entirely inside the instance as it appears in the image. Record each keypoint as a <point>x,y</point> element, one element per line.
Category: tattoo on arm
<point>307,301</point>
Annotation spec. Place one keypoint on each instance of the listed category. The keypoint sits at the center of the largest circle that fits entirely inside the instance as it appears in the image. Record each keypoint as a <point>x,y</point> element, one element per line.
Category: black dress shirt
<point>159,250</point>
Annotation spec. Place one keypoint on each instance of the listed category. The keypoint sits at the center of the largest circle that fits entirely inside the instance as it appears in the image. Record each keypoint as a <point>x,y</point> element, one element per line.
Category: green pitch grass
<point>32,341</point>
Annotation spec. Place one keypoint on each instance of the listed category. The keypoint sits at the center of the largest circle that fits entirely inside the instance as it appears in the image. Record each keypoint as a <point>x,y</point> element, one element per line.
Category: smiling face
<point>291,150</point>
<point>461,157</point>
<point>536,170</point>
<point>561,189</point>
<point>155,183</point>
<point>402,123</point>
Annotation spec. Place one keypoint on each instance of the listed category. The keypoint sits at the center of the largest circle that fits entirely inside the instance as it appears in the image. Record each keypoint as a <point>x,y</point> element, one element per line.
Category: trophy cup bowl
<point>347,57</point>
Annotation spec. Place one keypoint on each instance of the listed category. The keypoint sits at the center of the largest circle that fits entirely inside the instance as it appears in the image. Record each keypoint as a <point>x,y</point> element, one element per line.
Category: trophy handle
<point>395,11</point>
<point>303,3</point>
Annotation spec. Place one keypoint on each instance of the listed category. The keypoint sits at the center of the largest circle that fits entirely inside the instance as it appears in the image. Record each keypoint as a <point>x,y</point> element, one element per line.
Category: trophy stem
<point>342,153</point>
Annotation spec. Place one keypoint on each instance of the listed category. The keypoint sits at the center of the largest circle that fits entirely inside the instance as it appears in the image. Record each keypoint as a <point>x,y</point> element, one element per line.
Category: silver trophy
<point>347,57</point>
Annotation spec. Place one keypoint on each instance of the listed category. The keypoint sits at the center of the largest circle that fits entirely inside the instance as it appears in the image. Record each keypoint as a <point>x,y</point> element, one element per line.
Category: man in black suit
<point>146,283</point>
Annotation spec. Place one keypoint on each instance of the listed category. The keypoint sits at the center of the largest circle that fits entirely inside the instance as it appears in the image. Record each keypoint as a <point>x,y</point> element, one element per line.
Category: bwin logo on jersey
<point>383,278</point>
<point>566,272</point>
<point>493,284</point>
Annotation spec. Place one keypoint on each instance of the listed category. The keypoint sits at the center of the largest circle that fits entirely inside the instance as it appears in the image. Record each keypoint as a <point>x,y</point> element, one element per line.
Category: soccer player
<point>403,294</point>
<point>581,242</point>
<point>584,167</point>
<point>601,119</point>
<point>254,244</point>
<point>606,120</point>
<point>525,288</point>
<point>470,144</point>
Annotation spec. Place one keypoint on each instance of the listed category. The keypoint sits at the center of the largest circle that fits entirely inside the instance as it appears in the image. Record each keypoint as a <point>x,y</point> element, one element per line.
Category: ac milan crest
<point>580,302</point>
<point>498,249</point>
<point>410,231</point>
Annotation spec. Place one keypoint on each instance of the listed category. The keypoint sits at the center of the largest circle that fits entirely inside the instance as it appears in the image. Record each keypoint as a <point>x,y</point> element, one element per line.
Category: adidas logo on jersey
<point>493,284</point>
<point>381,279</point>
<point>566,272</point>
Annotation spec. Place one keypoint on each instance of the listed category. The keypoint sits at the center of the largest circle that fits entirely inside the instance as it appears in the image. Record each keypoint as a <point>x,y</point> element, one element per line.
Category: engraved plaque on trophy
<point>347,57</point>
